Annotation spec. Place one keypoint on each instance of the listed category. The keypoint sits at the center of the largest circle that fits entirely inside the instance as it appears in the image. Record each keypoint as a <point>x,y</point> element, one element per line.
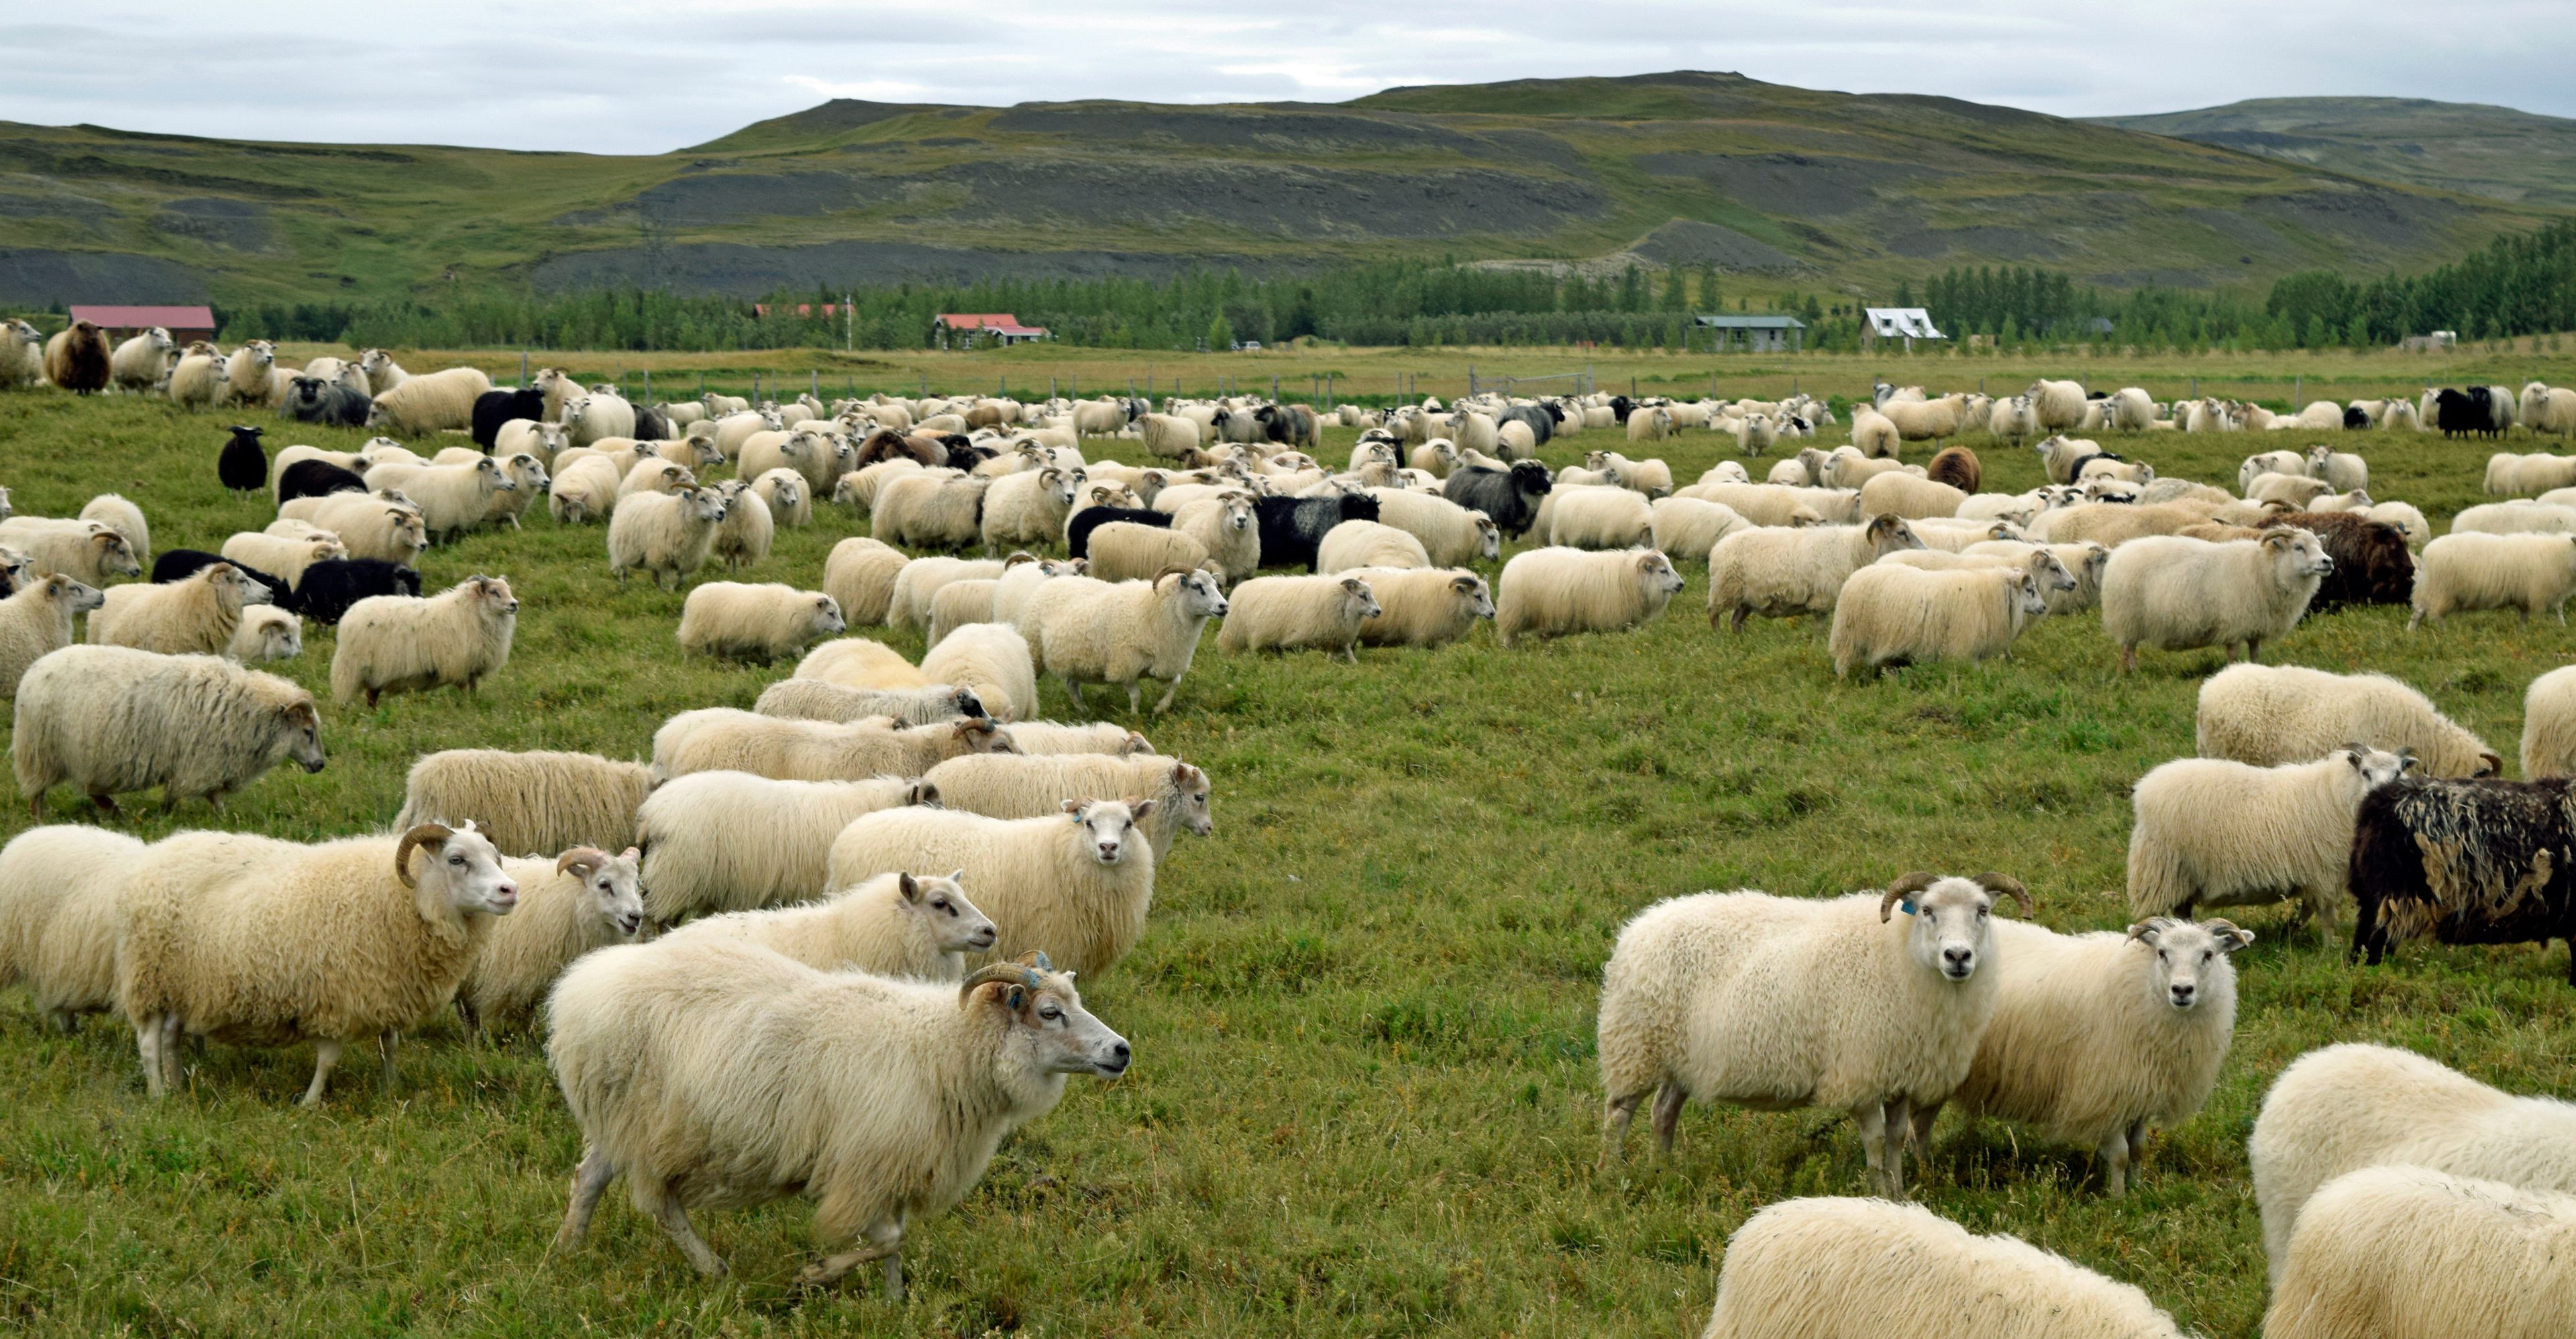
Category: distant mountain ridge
<point>2473,148</point>
<point>1788,186</point>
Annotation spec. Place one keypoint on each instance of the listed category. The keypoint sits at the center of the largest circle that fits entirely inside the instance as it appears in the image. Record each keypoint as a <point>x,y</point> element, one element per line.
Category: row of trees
<point>2518,285</point>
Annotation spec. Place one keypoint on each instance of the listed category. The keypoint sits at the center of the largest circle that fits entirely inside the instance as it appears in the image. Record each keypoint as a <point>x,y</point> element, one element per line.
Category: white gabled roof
<point>1899,322</point>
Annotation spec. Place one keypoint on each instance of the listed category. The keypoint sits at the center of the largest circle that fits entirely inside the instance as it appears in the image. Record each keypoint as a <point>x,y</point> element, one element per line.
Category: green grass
<point>1365,1096</point>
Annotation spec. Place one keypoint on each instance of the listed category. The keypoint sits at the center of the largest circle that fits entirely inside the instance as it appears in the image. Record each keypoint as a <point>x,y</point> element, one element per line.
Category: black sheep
<point>314,400</point>
<point>316,478</point>
<point>2372,564</point>
<point>243,464</point>
<point>964,453</point>
<point>494,408</point>
<point>1541,419</point>
<point>330,587</point>
<point>1508,497</point>
<point>650,425</point>
<point>2356,418</point>
<point>1619,407</point>
<point>2466,412</point>
<point>181,564</point>
<point>1293,528</point>
<point>2466,862</point>
<point>1078,535</point>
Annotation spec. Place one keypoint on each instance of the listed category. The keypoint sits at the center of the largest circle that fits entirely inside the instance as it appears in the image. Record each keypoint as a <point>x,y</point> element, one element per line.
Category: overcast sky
<point>644,76</point>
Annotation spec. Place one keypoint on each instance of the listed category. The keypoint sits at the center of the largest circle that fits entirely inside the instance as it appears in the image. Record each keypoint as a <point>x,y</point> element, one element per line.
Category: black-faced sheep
<point>242,466</point>
<point>1509,497</point>
<point>329,589</point>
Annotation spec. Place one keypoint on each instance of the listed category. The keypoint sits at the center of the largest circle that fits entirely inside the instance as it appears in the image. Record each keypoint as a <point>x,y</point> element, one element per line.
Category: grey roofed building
<point>1761,334</point>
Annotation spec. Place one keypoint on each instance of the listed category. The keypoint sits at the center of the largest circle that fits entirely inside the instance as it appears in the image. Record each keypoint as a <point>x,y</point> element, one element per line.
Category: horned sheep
<point>2465,862</point>
<point>1777,572</point>
<point>724,739</point>
<point>2529,572</point>
<point>2214,833</point>
<point>1075,885</point>
<point>1028,507</point>
<point>2172,593</point>
<point>88,552</point>
<point>1779,1002</point>
<point>248,940</point>
<point>582,899</point>
<point>756,622</point>
<point>725,841</point>
<point>110,719</point>
<point>1551,592</point>
<point>403,644</point>
<point>2272,715</point>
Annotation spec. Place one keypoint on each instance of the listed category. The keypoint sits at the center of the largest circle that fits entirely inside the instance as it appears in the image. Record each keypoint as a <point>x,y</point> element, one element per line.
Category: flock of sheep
<point>828,946</point>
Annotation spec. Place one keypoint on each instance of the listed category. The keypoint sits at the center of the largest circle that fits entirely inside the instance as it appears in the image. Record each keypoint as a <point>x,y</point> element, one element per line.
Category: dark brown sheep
<point>1958,467</point>
<point>887,444</point>
<point>76,358</point>
<point>2371,561</point>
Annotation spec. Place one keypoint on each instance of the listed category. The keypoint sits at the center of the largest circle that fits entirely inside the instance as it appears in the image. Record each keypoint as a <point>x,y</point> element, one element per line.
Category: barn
<point>183,323</point>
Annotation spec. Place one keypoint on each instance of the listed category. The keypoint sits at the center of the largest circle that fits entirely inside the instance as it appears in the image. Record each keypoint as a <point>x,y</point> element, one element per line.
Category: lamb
<point>196,616</point>
<point>756,622</point>
<point>110,718</point>
<point>1510,497</point>
<point>1126,551</point>
<point>1037,786</point>
<point>2483,1258</point>
<point>2270,715</point>
<point>2098,1039</point>
<point>723,739</point>
<point>58,892</point>
<point>1028,507</point>
<point>2339,1109</point>
<point>859,575</point>
<point>821,700</point>
<point>78,359</point>
<point>583,899</point>
<point>2464,862</point>
<point>1127,631</point>
<point>666,535</point>
<point>992,662</point>
<point>1853,1268</point>
<point>917,582</point>
<point>1779,1002</point>
<point>1586,516</point>
<point>1293,613</point>
<point>2215,833</point>
<point>370,527</point>
<point>331,589</point>
<point>2529,572</point>
<point>528,802</point>
<point>2548,725</point>
<point>1893,614</point>
<point>1075,885</point>
<point>404,644</point>
<point>1375,544</point>
<point>1551,592</point>
<point>930,511</point>
<point>252,941</point>
<point>894,925</point>
<point>36,620</point>
<point>728,841</point>
<point>1691,527</point>
<point>431,403</point>
<point>88,552</point>
<point>1779,572</point>
<point>2174,594</point>
<point>1903,495</point>
<point>673,1036</point>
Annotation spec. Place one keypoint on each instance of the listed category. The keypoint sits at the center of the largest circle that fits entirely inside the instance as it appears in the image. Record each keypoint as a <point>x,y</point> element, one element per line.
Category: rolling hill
<point>2468,147</point>
<point>1792,185</point>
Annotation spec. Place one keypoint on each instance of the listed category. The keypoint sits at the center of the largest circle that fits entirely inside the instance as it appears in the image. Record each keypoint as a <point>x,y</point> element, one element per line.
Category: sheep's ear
<point>1073,807</point>
<point>300,713</point>
<point>1351,584</point>
<point>910,887</point>
<point>2230,938</point>
<point>1137,809</point>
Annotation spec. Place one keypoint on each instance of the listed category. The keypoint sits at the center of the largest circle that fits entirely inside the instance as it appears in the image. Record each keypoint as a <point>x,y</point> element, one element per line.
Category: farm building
<point>1759,334</point>
<point>1905,323</point>
<point>969,329</point>
<point>183,323</point>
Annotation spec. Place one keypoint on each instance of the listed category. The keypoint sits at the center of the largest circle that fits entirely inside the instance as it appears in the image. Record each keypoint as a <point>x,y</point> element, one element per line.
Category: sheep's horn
<point>1038,959</point>
<point>1011,972</point>
<point>427,834</point>
<point>2006,884</point>
<point>579,855</point>
<point>2495,765</point>
<point>1905,886</point>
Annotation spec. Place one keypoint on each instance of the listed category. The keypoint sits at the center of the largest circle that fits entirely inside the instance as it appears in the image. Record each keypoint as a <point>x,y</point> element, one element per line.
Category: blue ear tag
<point>1906,906</point>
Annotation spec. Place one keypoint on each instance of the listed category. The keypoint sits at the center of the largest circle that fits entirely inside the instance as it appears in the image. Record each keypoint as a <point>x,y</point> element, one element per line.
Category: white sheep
<point>653,475</point>
<point>1762,504</point>
<point>1124,632</point>
<point>452,498</point>
<point>528,802</point>
<point>2268,715</point>
<point>990,660</point>
<point>109,719</point>
<point>1028,507</point>
<point>428,404</point>
<point>58,891</point>
<point>790,497</point>
<point>123,517</point>
<point>744,537</point>
<point>724,739</point>
<point>36,621</point>
<point>1551,592</point>
<point>793,1080</point>
<point>1896,493</point>
<point>1649,424</point>
<point>195,615</point>
<point>2522,516</point>
<point>959,603</point>
<point>1778,572</point>
<point>253,941</point>
<point>368,526</point>
<point>1351,544</point>
<point>584,490</point>
<point>1128,551</point>
<point>2084,562</point>
<point>523,436</point>
<point>1584,516</point>
<point>2548,725</point>
<point>898,924</point>
<point>917,583</point>
<point>282,557</point>
<point>2214,833</point>
<point>930,511</point>
<point>2342,471</point>
<point>266,633</point>
<point>88,552</point>
<point>2544,408</point>
<point>724,840</point>
<point>2403,1252</point>
<point>1778,1002</point>
<point>1075,885</point>
<point>1834,1268</point>
<point>819,700</point>
<point>2528,572</point>
<point>581,900</point>
<point>1691,527</point>
<point>2098,1039</point>
<point>1292,613</point>
<point>1893,614</point>
<point>2508,474</point>
<point>666,535</point>
<point>2342,1108</point>
<point>587,418</point>
<point>2172,593</point>
<point>1227,531</point>
<point>859,574</point>
<point>411,644</point>
<point>1423,606</point>
<point>1650,476</point>
<point>756,622</point>
<point>1036,786</point>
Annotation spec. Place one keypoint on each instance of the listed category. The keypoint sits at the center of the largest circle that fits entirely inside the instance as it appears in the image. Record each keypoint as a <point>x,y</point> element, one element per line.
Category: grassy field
<point>1365,1098</point>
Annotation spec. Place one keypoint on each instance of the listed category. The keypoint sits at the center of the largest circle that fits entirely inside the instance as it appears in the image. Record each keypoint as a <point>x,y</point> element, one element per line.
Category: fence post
<point>523,369</point>
<point>1274,386</point>
<point>2298,386</point>
<point>1077,384</point>
<point>702,384</point>
<point>755,390</point>
<point>814,382</point>
<point>1050,385</point>
<point>648,385</point>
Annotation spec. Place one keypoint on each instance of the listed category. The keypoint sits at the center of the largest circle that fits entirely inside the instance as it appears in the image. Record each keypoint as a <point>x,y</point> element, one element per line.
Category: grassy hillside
<point>1365,1096</point>
<point>2469,147</point>
<point>1851,190</point>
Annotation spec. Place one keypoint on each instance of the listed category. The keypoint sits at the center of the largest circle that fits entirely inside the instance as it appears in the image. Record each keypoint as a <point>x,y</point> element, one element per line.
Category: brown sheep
<point>887,444</point>
<point>1958,467</point>
<point>2372,564</point>
<point>76,358</point>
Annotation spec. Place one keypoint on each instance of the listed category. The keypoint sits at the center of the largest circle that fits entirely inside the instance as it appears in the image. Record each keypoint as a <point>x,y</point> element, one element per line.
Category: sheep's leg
<point>1740,615</point>
<point>2253,650</point>
<point>1135,696</point>
<point>385,1043</point>
<point>1073,690</point>
<point>885,1242</point>
<point>1616,1113</point>
<point>36,806</point>
<point>170,1053</point>
<point>371,698</point>
<point>466,1015</point>
<point>589,1180</point>
<point>1174,690</point>
<point>106,803</point>
<point>2115,1163</point>
<point>1873,1145</point>
<point>326,1053</point>
<point>675,1221</point>
<point>1668,1115</point>
<point>1920,1135</point>
<point>1899,1125</point>
<point>2137,1141</point>
<point>2129,659</point>
<point>147,1043</point>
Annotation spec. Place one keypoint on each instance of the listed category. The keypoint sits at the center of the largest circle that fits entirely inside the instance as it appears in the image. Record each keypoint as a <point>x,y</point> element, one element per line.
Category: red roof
<point>802,309</point>
<point>979,321</point>
<point>174,318</point>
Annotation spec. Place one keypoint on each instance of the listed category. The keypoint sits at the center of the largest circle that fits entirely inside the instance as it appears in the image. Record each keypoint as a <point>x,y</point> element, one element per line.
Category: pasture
<point>1364,1099</point>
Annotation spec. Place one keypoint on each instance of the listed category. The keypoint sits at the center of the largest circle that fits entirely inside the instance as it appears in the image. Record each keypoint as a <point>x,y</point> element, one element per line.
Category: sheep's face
<point>955,925</point>
<point>2190,960</point>
<point>705,504</point>
<point>1952,931</point>
<point>614,886</point>
<point>2377,767</point>
<point>114,554</point>
<point>493,595</point>
<point>1362,600</point>
<point>2052,572</point>
<point>786,495</point>
<point>1050,1029</point>
<point>469,870</point>
<point>2298,552</point>
<point>301,725</point>
<point>1108,827</point>
<point>1191,786</point>
<point>1237,515</point>
<point>1489,536</point>
<point>407,530</point>
<point>80,599</point>
<point>1657,572</point>
<point>488,471</point>
<point>1200,597</point>
<point>2026,589</point>
<point>827,617</point>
